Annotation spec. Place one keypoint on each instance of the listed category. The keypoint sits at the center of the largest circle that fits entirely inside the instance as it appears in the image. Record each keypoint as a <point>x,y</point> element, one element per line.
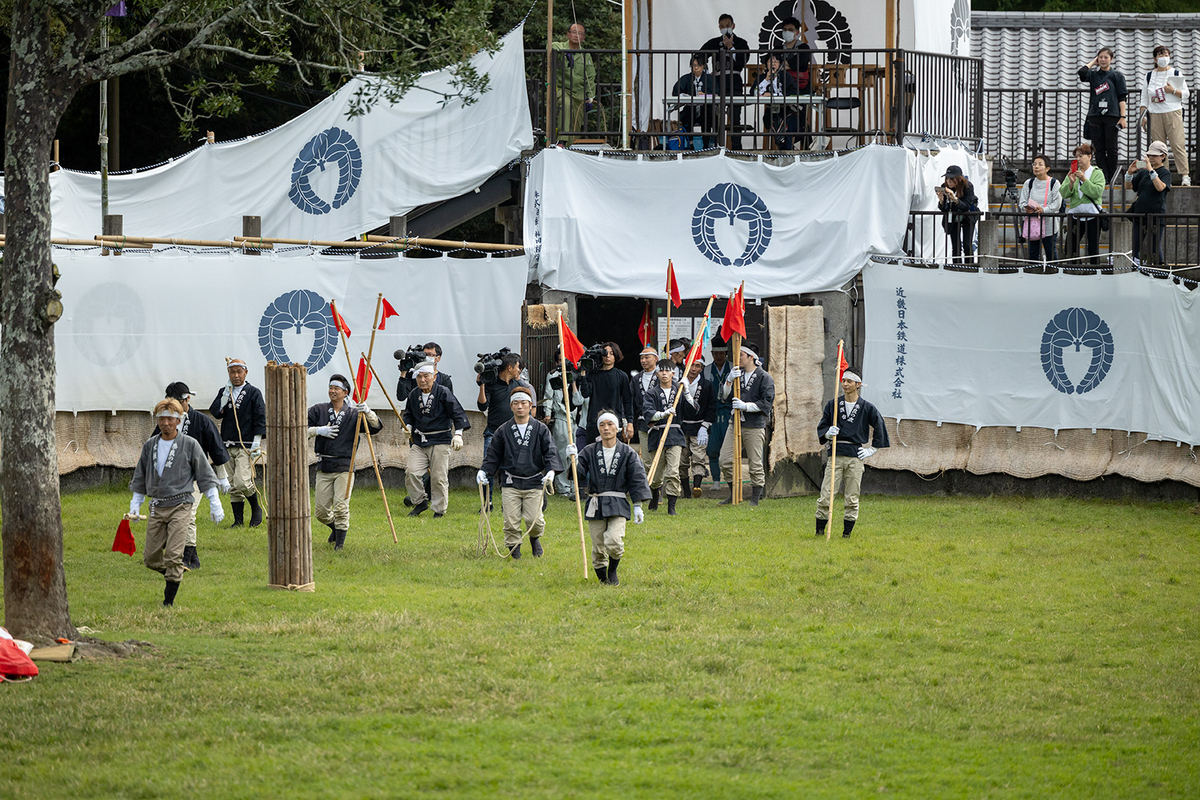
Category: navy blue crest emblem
<point>298,309</point>
<point>728,201</point>
<point>332,146</point>
<point>1078,328</point>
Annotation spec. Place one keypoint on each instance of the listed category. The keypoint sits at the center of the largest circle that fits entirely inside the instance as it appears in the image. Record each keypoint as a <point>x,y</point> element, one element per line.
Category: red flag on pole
<point>646,328</point>
<point>338,321</point>
<point>362,381</point>
<point>843,364</point>
<point>124,543</point>
<point>388,311</point>
<point>735,320</point>
<point>573,349</point>
<point>672,286</point>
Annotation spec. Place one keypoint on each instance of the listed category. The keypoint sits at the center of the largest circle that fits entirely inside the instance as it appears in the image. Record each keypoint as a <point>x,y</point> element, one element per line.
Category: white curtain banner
<point>1116,352</point>
<point>929,237</point>
<point>323,175</point>
<point>607,226</point>
<point>134,323</point>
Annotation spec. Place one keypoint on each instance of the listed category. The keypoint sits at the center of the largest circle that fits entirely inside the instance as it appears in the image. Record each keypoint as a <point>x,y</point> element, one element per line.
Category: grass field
<point>952,648</point>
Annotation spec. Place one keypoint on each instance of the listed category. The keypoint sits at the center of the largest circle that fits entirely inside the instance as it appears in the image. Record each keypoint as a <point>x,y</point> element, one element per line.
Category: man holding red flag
<point>333,424</point>
<point>852,428</point>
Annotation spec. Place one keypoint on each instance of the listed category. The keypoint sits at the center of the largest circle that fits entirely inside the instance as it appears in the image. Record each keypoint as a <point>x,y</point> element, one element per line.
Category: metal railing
<point>1021,123</point>
<point>840,98</point>
<point>1167,241</point>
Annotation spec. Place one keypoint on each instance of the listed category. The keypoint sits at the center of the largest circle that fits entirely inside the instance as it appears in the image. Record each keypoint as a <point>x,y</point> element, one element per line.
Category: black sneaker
<point>419,508</point>
<point>439,514</point>
<point>536,546</point>
<point>515,551</point>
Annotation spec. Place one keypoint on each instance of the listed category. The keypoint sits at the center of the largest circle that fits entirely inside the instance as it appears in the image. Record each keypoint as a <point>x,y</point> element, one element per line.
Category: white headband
<point>650,350</point>
<point>611,417</point>
<point>751,353</point>
<point>519,390</point>
<point>341,384</point>
<point>168,413</point>
<point>852,376</point>
<point>678,348</point>
<point>426,367</point>
<point>235,362</point>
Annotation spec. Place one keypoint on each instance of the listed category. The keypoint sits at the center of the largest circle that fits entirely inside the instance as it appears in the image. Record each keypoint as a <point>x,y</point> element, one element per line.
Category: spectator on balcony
<point>729,54</point>
<point>797,59</point>
<point>1082,190</point>
<point>697,83</point>
<point>575,83</point>
<point>1106,109</point>
<point>959,207</point>
<point>1163,97</point>
<point>1040,195</point>
<point>778,117</point>
<point>1151,181</point>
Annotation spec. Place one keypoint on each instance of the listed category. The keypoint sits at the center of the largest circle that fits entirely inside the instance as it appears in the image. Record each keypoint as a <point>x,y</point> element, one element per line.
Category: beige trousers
<point>522,504</point>
<point>695,459</point>
<point>333,507</point>
<point>1168,128</point>
<point>848,472</point>
<point>608,539</point>
<point>166,535</point>
<point>240,471</point>
<point>754,441</point>
<point>435,460</point>
<point>666,476</point>
<point>644,448</point>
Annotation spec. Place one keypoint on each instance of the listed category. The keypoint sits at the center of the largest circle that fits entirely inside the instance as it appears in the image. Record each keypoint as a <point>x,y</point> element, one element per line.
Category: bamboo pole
<point>837,374</point>
<point>417,241</point>
<point>138,241</point>
<point>359,421</point>
<point>736,341</point>
<point>562,355</point>
<point>687,368</point>
<point>267,243</point>
<point>383,389</point>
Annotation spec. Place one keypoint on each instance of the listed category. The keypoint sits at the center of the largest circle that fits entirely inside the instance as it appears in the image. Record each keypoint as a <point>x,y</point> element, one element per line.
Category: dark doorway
<point>612,319</point>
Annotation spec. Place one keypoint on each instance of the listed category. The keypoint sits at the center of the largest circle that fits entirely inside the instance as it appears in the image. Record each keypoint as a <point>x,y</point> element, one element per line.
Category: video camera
<point>593,358</point>
<point>489,365</point>
<point>406,361</point>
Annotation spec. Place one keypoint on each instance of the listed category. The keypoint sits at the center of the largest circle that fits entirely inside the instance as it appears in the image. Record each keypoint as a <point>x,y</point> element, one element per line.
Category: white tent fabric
<point>321,176</point>
<point>135,323</point>
<point>1118,352</point>
<point>607,226</point>
<point>929,238</point>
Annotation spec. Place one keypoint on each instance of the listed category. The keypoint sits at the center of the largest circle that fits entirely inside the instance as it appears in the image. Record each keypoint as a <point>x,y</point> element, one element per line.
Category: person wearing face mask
<point>1163,98</point>
<point>1106,109</point>
<point>697,83</point>
<point>729,54</point>
<point>797,59</point>
<point>779,118</point>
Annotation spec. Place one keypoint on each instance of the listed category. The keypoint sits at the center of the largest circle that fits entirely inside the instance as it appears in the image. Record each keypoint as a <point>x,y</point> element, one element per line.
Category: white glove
<point>216,513</point>
<point>549,479</point>
<point>228,445</point>
<point>734,374</point>
<point>135,504</point>
<point>832,432</point>
<point>362,407</point>
<point>328,431</point>
<point>227,397</point>
<point>456,443</point>
<point>702,437</point>
<point>685,385</point>
<point>750,407</point>
<point>738,403</point>
<point>481,477</point>
<point>571,450</point>
<point>256,447</point>
<point>659,415</point>
<point>223,485</point>
<point>866,452</point>
<point>638,514</point>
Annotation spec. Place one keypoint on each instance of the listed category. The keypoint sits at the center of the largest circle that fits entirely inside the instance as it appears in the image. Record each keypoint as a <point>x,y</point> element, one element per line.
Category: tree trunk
<point>35,588</point>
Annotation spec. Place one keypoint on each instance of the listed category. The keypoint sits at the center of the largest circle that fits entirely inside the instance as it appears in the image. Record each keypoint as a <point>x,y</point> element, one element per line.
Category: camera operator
<point>495,385</point>
<point>436,423</point>
<point>557,418</point>
<point>433,352</point>
<point>605,387</point>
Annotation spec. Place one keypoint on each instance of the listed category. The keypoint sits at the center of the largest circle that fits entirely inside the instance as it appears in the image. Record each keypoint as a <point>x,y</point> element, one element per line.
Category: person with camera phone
<point>522,454</point>
<point>960,209</point>
<point>1151,179</point>
<point>658,406</point>
<point>332,427</point>
<point>435,422</point>
<point>1163,99</point>
<point>496,373</point>
<point>615,479</point>
<point>605,387</point>
<point>1040,195</point>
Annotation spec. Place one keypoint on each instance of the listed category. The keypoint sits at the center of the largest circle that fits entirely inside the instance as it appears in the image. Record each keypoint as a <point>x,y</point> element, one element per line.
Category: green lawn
<point>953,648</point>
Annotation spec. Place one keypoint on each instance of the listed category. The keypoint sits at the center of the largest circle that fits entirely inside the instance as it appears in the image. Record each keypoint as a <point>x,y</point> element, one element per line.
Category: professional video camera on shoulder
<point>593,358</point>
<point>490,364</point>
<point>406,362</point>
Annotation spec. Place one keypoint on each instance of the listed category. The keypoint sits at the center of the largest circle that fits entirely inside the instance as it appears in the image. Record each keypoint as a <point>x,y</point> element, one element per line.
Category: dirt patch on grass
<point>90,648</point>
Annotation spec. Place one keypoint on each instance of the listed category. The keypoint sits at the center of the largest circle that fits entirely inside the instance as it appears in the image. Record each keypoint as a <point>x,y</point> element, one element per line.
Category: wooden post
<point>289,532</point>
<point>397,229</point>
<point>551,131</point>
<point>251,227</point>
<point>54,158</point>
<point>113,226</point>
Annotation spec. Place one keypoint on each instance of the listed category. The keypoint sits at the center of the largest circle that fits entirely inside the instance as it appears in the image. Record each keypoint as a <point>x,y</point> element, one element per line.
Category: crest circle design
<point>731,202</point>
<point>331,146</point>
<point>1078,328</point>
<point>298,309</point>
